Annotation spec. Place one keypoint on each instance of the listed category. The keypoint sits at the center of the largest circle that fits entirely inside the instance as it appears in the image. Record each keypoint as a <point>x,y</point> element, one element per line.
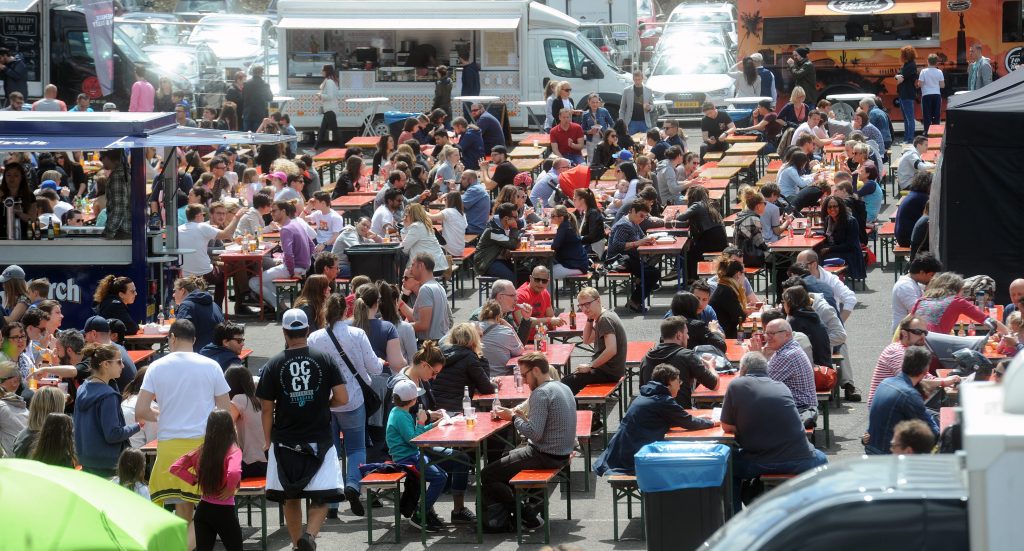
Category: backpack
<point>752,255</point>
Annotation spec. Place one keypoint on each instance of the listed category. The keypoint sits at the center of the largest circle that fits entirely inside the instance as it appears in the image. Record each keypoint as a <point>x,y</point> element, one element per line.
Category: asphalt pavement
<point>591,523</point>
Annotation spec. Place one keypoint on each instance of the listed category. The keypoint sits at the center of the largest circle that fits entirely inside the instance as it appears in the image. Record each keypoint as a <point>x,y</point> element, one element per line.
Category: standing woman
<point>382,334</point>
<point>707,234</point>
<point>418,237</point>
<point>112,297</point>
<point>570,255</point>
<point>390,296</point>
<point>443,91</point>
<point>596,122</point>
<point>748,81</point>
<point>550,93</point>
<point>841,236</point>
<point>16,186</point>
<point>385,146</point>
<point>163,103</point>
<point>16,299</point>
<point>351,350</point>
<point>591,221</point>
<point>330,106</point>
<point>906,88</point>
<point>248,418</point>
<point>100,429</point>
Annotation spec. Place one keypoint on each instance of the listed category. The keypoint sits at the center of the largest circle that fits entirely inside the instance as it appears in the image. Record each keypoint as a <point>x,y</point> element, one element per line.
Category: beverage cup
<point>470,415</point>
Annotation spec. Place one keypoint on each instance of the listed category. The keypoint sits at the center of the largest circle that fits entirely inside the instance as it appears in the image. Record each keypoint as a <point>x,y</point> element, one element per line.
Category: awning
<point>20,6</point>
<point>871,7</point>
<point>179,136</point>
<point>400,23</point>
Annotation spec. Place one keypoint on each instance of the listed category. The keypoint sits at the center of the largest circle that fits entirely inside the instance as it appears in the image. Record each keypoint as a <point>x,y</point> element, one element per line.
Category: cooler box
<point>395,120</point>
<point>686,488</point>
<point>377,261</point>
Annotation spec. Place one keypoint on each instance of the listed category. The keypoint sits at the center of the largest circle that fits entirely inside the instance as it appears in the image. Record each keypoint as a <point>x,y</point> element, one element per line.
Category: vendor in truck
<point>119,223</point>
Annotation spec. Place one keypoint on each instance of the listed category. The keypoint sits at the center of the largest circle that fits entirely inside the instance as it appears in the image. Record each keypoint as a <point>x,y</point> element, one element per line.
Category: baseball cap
<point>803,51</point>
<point>12,272</point>
<point>49,184</point>
<point>96,323</point>
<point>9,369</point>
<point>407,390</point>
<point>279,175</point>
<point>117,326</point>
<point>109,106</point>
<point>295,319</point>
<point>500,149</point>
<point>623,155</point>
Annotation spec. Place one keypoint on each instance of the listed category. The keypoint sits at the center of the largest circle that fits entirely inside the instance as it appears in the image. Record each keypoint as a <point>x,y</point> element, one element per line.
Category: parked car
<point>194,10</point>
<point>723,14</point>
<point>648,13</point>
<point>147,28</point>
<point>195,64</point>
<point>601,36</point>
<point>680,37</point>
<point>237,40</point>
<point>689,77</point>
<point>882,503</point>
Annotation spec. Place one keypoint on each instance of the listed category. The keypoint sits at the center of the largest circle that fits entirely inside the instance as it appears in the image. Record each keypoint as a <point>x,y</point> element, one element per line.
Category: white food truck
<point>389,50</point>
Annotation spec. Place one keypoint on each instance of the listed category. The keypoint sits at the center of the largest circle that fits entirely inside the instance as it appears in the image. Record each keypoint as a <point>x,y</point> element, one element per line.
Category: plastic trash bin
<point>377,261</point>
<point>395,120</point>
<point>740,117</point>
<point>686,489</point>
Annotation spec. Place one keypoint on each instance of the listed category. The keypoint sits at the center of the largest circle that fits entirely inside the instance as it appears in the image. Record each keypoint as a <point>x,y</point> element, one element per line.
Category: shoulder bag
<point>371,401</point>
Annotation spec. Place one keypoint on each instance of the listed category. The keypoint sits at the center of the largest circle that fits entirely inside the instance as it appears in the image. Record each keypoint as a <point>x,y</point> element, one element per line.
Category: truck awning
<point>870,7</point>
<point>20,6</point>
<point>175,136</point>
<point>400,23</point>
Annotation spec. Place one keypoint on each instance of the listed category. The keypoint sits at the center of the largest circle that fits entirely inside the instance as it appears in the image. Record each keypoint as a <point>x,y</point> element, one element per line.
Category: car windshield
<point>675,36</point>
<point>129,48</point>
<point>690,65</point>
<point>146,32</point>
<point>697,16</point>
<point>202,6</point>
<point>177,61</point>
<point>224,32</point>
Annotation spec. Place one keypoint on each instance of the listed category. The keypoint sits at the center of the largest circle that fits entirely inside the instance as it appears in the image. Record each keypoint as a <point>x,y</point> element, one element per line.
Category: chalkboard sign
<point>20,33</point>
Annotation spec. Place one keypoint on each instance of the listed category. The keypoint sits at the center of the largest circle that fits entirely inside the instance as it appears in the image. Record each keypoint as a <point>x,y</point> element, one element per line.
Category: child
<point>1014,341</point>
<point>245,410</point>
<point>216,466</point>
<point>402,428</point>
<point>618,198</point>
<point>56,442</point>
<point>131,472</point>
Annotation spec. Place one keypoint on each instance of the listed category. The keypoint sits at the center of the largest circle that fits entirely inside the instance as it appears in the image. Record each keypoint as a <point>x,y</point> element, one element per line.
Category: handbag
<point>371,401</point>
<point>825,378</point>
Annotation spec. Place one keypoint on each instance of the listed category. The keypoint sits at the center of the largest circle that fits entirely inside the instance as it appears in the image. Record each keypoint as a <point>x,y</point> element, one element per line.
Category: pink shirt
<point>142,97</point>
<point>186,467</point>
<point>941,313</point>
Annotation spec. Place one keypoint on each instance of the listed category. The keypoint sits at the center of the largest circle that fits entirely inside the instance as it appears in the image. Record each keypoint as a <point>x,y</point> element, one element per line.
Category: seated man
<point>297,249</point>
<point>912,436</point>
<point>517,314</point>
<point>535,293</point>
<point>912,332</point>
<point>897,399</point>
<point>762,414</point>
<point>604,331</point>
<point>791,366</point>
<point>500,236</point>
<point>550,430</point>
<point>228,339</point>
<point>648,419</point>
<point>672,351</point>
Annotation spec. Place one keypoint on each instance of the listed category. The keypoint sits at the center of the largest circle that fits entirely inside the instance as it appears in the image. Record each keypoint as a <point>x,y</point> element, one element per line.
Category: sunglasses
<point>541,279</point>
<point>918,332</point>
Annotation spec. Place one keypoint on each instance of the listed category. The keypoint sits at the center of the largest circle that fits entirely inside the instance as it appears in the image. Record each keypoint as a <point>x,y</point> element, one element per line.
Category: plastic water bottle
<point>517,376</point>
<point>542,339</point>
<point>467,403</point>
<point>160,318</point>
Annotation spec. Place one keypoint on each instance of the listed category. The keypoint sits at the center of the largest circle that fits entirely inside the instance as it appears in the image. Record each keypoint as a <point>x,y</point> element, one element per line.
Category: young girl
<point>56,442</point>
<point>216,466</point>
<point>1014,340</point>
<point>131,472</point>
<point>245,410</point>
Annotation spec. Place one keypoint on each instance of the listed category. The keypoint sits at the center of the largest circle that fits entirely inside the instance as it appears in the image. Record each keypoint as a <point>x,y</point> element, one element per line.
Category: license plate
<point>686,104</point>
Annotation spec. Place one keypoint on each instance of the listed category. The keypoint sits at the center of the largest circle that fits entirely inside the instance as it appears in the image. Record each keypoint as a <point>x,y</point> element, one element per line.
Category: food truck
<point>390,49</point>
<point>77,259</point>
<point>855,44</point>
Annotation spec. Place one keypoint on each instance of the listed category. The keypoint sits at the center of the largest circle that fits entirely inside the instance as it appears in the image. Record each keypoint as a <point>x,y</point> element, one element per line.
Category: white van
<point>520,45</point>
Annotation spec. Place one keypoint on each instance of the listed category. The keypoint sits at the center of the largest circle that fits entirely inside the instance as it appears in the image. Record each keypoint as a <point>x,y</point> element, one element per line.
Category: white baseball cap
<point>295,319</point>
<point>407,390</point>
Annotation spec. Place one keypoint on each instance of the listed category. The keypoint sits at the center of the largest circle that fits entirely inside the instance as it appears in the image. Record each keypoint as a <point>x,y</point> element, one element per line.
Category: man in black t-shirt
<point>673,351</point>
<point>713,128</point>
<point>298,388</point>
<point>504,171</point>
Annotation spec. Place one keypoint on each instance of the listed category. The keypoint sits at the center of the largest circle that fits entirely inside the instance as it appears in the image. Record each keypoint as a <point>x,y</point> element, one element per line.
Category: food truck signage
<point>1014,58</point>
<point>860,7</point>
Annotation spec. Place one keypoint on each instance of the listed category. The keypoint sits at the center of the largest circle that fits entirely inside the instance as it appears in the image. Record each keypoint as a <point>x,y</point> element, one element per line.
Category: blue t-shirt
<point>381,331</point>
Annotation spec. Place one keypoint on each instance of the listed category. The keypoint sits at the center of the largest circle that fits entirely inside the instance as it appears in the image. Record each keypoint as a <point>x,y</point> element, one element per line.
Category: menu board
<point>500,50</point>
<point>20,34</point>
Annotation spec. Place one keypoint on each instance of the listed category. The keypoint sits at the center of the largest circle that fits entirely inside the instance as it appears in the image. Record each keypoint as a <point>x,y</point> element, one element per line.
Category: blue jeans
<point>744,468</point>
<point>931,106</point>
<point>353,425</point>
<point>436,475</point>
<point>574,158</point>
<point>907,107</point>
<point>501,269</point>
<point>344,270</point>
<point>637,126</point>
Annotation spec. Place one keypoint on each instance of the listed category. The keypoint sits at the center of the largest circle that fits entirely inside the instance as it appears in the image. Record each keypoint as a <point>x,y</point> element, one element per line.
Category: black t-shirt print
<point>300,380</point>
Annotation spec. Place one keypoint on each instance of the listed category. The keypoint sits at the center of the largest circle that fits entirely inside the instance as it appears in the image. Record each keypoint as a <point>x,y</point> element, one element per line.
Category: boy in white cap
<point>298,387</point>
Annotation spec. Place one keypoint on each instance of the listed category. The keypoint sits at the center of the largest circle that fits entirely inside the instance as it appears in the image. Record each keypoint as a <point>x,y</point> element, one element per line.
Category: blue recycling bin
<point>740,117</point>
<point>395,120</point>
<point>686,488</point>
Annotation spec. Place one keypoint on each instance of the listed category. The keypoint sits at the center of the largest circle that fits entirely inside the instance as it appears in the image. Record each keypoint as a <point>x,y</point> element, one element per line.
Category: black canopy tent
<point>977,196</point>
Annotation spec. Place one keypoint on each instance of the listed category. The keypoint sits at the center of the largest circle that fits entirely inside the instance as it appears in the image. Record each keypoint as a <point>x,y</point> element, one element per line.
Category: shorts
<point>326,484</point>
<point>164,486</point>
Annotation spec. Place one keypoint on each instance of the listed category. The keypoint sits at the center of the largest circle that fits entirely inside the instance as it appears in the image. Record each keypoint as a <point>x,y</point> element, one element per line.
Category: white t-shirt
<point>250,430</point>
<point>61,207</point>
<point>326,225</point>
<point>453,230</point>
<point>196,236</point>
<point>185,384</point>
<point>930,78</point>
<point>148,432</point>
<point>381,216</point>
<point>801,130</point>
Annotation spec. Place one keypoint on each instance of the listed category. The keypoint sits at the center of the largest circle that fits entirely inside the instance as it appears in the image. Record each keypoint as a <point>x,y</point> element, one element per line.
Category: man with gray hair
<point>846,299</point>
<point>518,315</point>
<point>878,118</point>
<point>767,77</point>
<point>791,366</point>
<point>763,415</point>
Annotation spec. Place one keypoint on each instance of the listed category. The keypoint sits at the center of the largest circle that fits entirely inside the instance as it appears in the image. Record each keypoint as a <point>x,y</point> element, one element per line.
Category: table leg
<point>586,467</point>
<point>423,497</point>
<point>479,492</point>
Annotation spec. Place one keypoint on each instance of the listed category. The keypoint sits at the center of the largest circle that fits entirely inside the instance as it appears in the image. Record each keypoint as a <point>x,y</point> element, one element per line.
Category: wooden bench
<point>253,491</point>
<point>383,484</point>
<point>531,487</point>
<point>901,256</point>
<point>772,480</point>
<point>616,281</point>
<point>291,285</point>
<point>584,420</point>
<point>484,288</point>
<point>598,395</point>
<point>625,486</point>
<point>573,283</point>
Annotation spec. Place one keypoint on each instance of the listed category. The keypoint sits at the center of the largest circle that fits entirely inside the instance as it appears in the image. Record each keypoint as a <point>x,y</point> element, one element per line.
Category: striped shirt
<point>791,366</point>
<point>623,231</point>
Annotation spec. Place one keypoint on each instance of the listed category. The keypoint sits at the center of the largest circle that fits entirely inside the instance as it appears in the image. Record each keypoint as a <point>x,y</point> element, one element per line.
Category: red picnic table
<point>542,140</point>
<point>597,395</point>
<point>936,130</point>
<point>244,265</point>
<point>363,142</point>
<point>935,143</point>
<point>329,159</point>
<point>348,204</point>
<point>947,416</point>
<point>564,332</point>
<point>140,356</point>
<point>559,355</point>
<point>459,436</point>
<point>740,138</point>
<point>635,352</point>
<point>507,393</point>
<point>795,244</point>
<point>964,319</point>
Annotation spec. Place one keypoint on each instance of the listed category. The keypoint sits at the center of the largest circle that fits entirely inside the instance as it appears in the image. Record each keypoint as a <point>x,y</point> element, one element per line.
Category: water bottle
<point>467,403</point>
<point>517,376</point>
<point>533,242</point>
<point>160,318</point>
